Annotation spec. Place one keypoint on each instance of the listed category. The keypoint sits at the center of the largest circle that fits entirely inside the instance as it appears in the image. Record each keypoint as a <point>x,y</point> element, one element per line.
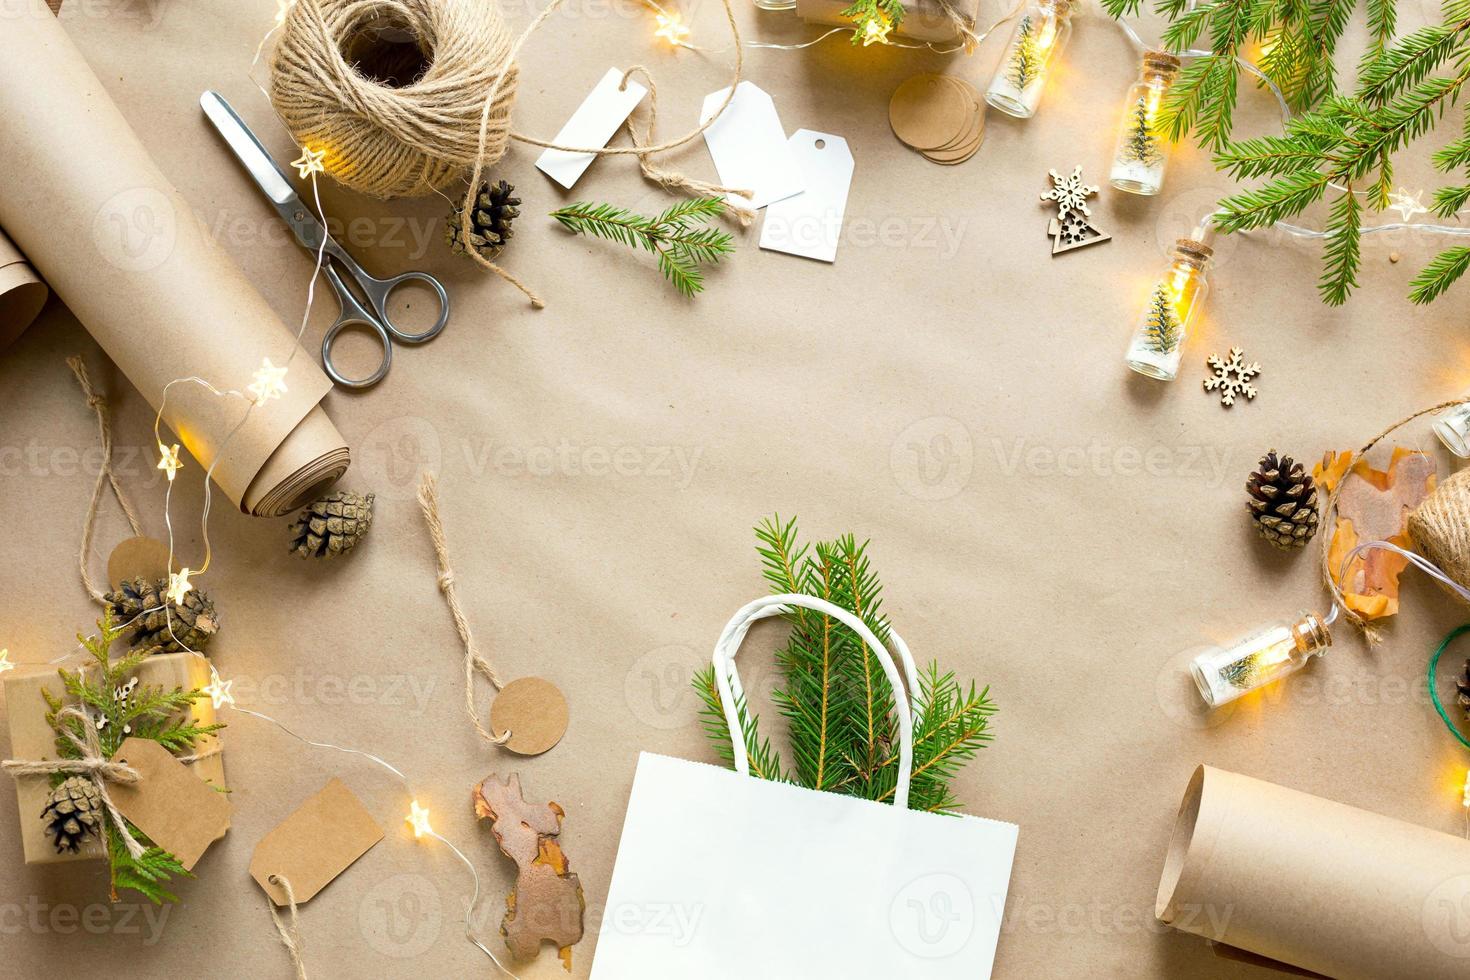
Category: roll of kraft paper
<point>120,246</point>
<point>1315,884</point>
<point>22,293</point>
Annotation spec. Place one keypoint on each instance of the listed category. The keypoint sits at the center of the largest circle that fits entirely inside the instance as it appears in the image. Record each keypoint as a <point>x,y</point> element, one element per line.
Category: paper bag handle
<point>731,692</point>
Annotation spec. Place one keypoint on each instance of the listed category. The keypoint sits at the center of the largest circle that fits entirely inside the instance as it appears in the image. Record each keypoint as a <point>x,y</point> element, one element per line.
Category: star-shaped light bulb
<point>310,162</point>
<point>270,382</point>
<point>418,819</point>
<point>672,28</point>
<point>875,31</point>
<point>1467,774</point>
<point>168,459</point>
<point>5,665</point>
<point>218,690</point>
<point>282,8</point>
<point>1407,204</point>
<point>178,585</point>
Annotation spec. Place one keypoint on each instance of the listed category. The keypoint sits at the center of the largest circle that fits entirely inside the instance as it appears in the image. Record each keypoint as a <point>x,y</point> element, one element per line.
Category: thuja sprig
<point>118,712</point>
<point>834,695</point>
<point>672,236</point>
<point>865,12</point>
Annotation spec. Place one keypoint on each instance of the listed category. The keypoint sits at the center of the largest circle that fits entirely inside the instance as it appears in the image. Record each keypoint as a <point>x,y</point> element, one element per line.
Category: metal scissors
<point>371,310</point>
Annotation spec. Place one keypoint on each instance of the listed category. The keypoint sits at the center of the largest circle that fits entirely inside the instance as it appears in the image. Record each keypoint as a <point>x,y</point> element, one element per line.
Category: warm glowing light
<point>310,162</point>
<point>1407,204</point>
<point>418,819</point>
<point>282,8</point>
<point>218,690</point>
<point>270,382</point>
<point>672,28</point>
<point>168,460</point>
<point>178,585</point>
<point>1467,774</point>
<point>875,31</point>
<point>5,665</point>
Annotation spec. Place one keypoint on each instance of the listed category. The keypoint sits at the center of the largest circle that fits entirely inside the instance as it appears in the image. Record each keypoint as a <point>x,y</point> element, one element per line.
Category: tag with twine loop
<point>412,121</point>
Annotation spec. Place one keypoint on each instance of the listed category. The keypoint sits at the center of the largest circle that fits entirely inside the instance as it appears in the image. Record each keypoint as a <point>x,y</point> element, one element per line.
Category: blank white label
<point>749,147</point>
<point>810,224</point>
<point>593,124</point>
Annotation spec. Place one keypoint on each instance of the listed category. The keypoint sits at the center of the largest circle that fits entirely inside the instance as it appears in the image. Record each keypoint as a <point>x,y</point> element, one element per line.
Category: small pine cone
<point>73,813</point>
<point>1283,502</point>
<point>156,622</point>
<point>490,221</point>
<point>1462,683</point>
<point>332,525</point>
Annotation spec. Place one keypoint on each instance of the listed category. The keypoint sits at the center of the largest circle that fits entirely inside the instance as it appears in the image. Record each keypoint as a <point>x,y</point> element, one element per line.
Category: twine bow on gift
<point>92,763</point>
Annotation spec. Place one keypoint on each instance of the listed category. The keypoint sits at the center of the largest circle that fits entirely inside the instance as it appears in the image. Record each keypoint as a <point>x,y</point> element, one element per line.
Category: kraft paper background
<point>1044,521</point>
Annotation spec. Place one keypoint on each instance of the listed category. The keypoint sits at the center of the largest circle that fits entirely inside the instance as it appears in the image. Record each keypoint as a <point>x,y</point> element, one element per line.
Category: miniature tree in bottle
<point>1172,304</point>
<point>1039,37</point>
<point>1223,674</point>
<point>1143,146</point>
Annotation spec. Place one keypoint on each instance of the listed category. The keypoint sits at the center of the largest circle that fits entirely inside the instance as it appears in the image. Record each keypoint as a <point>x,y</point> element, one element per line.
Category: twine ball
<point>1440,527</point>
<point>393,90</point>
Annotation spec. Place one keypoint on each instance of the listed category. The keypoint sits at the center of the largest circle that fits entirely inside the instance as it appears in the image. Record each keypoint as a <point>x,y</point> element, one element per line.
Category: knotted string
<point>290,935</point>
<point>105,475</point>
<point>428,496</point>
<point>92,764</point>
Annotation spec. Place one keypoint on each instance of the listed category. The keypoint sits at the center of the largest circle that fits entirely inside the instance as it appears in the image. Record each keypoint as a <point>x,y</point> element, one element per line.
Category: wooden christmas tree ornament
<point>1072,227</point>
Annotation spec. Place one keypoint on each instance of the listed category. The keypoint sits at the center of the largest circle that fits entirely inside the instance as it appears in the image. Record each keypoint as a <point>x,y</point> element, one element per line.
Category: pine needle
<point>680,248</point>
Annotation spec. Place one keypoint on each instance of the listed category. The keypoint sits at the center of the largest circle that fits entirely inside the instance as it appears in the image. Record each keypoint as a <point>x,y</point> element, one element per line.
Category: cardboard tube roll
<point>22,293</point>
<point>1316,884</point>
<point>121,247</point>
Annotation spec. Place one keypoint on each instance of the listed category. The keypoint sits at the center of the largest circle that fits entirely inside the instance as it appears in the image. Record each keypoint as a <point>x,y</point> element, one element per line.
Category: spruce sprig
<point>681,248</point>
<point>1026,58</point>
<point>149,711</point>
<point>834,695</point>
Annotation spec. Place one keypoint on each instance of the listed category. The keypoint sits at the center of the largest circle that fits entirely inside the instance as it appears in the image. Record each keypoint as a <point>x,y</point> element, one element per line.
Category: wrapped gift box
<point>923,20</point>
<point>31,738</point>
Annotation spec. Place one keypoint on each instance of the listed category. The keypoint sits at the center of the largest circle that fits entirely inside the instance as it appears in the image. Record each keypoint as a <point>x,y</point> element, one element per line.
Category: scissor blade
<point>248,149</point>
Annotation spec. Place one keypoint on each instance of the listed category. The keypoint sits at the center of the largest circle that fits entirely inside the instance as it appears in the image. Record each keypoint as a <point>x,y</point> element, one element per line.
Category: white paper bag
<point>720,875</point>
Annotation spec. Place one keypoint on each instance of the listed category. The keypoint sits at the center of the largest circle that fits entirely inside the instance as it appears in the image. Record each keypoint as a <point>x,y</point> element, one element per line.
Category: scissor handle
<point>378,291</point>
<point>353,315</point>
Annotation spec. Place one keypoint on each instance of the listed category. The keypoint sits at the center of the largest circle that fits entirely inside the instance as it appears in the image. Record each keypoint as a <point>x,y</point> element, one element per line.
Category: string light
<point>270,382</point>
<point>218,690</point>
<point>168,460</point>
<point>178,586</point>
<point>310,162</point>
<point>5,665</point>
<point>1466,801</point>
<point>875,30</point>
<point>672,28</point>
<point>1407,204</point>
<point>283,7</point>
<point>418,819</point>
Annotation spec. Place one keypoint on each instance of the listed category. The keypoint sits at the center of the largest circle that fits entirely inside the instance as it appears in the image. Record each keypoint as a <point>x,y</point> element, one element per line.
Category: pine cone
<point>156,622</point>
<point>332,525</point>
<point>490,221</point>
<point>1284,502</point>
<point>73,813</point>
<point>1462,683</point>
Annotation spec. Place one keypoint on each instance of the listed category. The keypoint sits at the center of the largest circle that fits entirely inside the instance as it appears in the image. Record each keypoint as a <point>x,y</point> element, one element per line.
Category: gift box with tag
<point>923,20</point>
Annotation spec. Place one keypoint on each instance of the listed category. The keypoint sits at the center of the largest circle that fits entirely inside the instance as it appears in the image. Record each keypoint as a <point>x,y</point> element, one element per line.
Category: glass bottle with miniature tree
<point>1223,674</point>
<point>1171,308</point>
<point>1143,145</point>
<point>1039,37</point>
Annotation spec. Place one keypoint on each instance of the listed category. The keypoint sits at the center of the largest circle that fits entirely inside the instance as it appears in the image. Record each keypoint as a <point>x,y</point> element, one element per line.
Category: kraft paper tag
<point>749,147</point>
<point>535,712</point>
<point>810,224</point>
<point>315,844</point>
<point>139,557</point>
<point>178,811</point>
<point>593,124</point>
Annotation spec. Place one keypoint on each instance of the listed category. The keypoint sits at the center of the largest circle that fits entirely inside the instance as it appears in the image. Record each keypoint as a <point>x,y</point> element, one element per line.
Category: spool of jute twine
<point>405,96</point>
<point>1439,527</point>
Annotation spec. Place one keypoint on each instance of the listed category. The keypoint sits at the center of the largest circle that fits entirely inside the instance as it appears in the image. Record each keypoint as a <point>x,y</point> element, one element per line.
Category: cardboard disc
<point>140,557</point>
<point>928,112</point>
<point>972,100</point>
<point>965,147</point>
<point>534,711</point>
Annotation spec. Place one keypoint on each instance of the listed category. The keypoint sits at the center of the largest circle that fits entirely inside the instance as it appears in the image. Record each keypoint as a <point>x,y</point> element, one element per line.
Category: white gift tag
<point>749,147</point>
<point>810,224</point>
<point>593,124</point>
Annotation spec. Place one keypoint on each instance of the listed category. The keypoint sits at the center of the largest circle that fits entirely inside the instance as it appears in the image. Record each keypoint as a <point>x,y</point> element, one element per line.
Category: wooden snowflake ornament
<point>1232,377</point>
<point>1072,227</point>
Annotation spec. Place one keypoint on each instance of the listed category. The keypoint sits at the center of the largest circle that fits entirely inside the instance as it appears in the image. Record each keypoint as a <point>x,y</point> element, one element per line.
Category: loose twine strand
<point>428,496</point>
<point>290,934</point>
<point>1370,633</point>
<point>92,764</point>
<point>105,476</point>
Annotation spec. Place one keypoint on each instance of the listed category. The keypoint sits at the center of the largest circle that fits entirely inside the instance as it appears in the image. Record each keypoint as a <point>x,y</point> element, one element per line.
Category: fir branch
<point>863,12</point>
<point>146,874</point>
<point>1439,274</point>
<point>765,763</point>
<point>679,248</point>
